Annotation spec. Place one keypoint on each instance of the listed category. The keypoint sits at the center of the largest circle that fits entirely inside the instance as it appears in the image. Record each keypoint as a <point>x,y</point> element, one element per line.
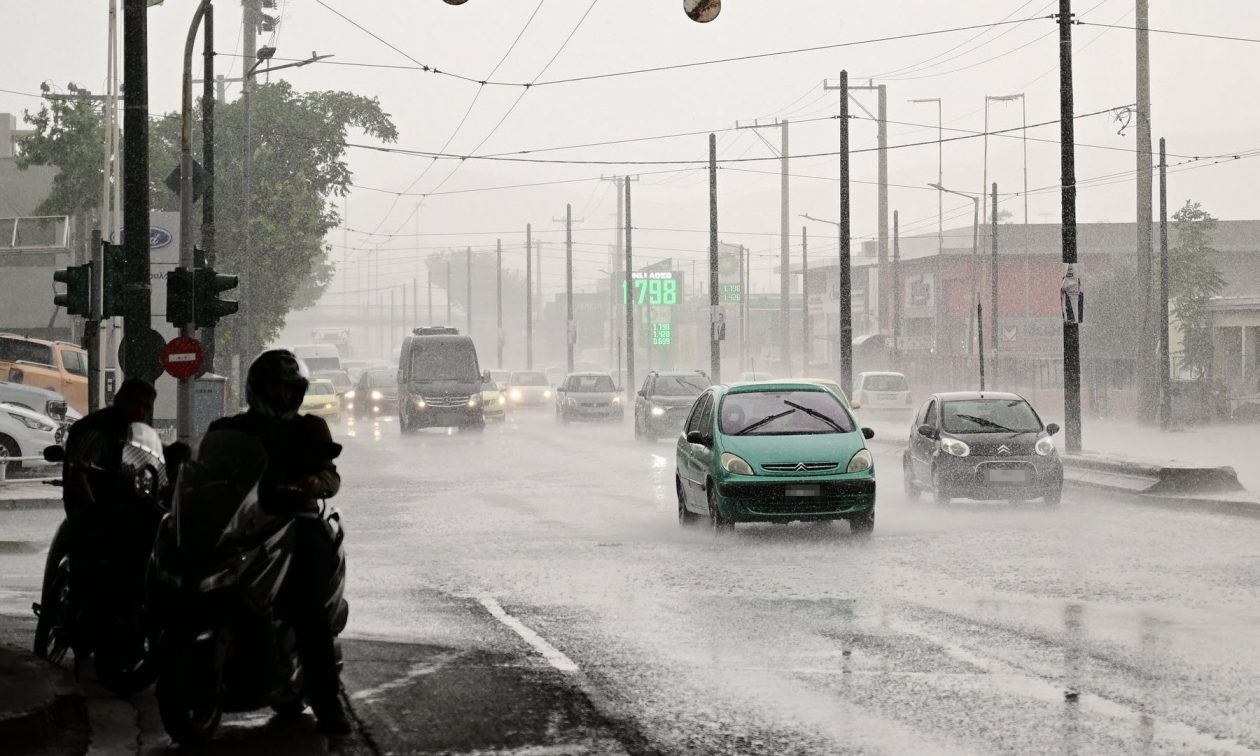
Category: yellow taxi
<point>322,401</point>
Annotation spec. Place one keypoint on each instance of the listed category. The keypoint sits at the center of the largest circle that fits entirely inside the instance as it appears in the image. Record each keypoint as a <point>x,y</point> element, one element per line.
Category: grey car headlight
<point>1045,446</point>
<point>735,464</point>
<point>954,447</point>
<point>658,411</point>
<point>861,462</point>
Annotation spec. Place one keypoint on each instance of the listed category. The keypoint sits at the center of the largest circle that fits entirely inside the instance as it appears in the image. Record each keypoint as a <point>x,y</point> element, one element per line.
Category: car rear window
<point>885,383</point>
<point>989,416</point>
<point>20,350</point>
<point>770,413</point>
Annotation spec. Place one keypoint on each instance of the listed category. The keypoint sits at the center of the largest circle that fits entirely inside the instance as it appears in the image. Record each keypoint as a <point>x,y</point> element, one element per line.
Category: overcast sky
<point>1203,101</point>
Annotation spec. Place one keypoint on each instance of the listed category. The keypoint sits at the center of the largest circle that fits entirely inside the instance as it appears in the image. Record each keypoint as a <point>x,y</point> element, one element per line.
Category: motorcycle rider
<point>100,524</point>
<point>299,473</point>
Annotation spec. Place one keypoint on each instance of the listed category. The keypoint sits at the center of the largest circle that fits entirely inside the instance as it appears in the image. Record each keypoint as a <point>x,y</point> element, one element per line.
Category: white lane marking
<point>419,669</point>
<point>553,655</point>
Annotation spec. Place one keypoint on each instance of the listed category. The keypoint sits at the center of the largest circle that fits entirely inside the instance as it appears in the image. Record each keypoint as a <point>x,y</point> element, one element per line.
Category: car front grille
<point>801,467</point>
<point>445,402</point>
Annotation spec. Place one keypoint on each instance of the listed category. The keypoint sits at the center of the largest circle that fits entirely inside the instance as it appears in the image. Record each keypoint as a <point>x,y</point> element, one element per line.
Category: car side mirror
<point>642,393</point>
<point>1052,428</point>
<point>485,376</point>
<point>54,454</point>
<point>560,389</point>
<point>927,430</point>
<point>868,433</point>
<point>855,404</point>
<point>696,437</point>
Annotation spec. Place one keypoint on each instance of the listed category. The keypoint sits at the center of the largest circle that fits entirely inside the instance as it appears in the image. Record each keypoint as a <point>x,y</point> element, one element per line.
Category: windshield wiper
<point>763,421</point>
<point>817,414</point>
<point>985,422</point>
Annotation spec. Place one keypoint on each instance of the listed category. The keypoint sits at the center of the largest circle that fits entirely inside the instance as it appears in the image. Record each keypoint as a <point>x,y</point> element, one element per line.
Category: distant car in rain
<point>321,400</point>
<point>529,388</point>
<point>588,396</point>
<point>983,445</point>
<point>376,394</point>
<point>340,379</point>
<point>493,400</point>
<point>882,392</point>
<point>26,433</point>
<point>662,403</point>
<point>779,451</point>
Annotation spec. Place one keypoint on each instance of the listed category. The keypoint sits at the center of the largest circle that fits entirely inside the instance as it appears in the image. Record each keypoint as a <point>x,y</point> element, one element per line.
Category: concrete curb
<point>34,503</point>
<point>39,701</point>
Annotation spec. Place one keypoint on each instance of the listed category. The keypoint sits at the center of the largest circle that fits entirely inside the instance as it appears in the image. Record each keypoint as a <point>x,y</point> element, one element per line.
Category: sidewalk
<point>1235,446</point>
<point>39,702</point>
<point>20,495</point>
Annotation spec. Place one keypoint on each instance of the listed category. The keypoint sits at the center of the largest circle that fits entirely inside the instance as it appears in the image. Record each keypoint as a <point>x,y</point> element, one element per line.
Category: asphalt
<point>41,705</point>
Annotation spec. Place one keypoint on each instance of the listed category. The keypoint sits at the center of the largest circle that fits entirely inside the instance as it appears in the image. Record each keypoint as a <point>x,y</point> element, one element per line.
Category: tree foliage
<point>1193,279</point>
<point>69,135</point>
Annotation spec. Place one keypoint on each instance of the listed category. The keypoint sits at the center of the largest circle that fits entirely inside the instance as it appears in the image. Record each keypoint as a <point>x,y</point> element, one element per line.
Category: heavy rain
<point>594,377</point>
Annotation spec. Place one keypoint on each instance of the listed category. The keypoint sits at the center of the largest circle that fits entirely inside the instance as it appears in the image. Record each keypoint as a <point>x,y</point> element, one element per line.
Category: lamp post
<point>1023,102</point>
<point>975,250</point>
<point>940,174</point>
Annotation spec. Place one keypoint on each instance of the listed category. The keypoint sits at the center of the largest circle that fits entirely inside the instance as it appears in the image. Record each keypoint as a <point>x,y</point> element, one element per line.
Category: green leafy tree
<point>298,170</point>
<point>1193,279</point>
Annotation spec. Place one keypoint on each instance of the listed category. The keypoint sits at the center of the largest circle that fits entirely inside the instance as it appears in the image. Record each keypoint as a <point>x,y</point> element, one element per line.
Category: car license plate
<point>800,491</point>
<point>999,475</point>
<point>888,397</point>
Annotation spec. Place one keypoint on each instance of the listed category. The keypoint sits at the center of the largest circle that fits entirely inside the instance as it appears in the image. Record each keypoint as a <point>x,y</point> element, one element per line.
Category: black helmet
<point>276,366</point>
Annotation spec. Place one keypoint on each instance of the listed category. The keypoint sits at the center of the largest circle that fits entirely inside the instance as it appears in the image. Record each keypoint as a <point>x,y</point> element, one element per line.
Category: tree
<point>1193,279</point>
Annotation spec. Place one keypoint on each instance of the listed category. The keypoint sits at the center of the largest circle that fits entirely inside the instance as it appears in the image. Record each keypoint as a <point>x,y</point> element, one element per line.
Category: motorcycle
<point>217,567</point>
<point>108,625</point>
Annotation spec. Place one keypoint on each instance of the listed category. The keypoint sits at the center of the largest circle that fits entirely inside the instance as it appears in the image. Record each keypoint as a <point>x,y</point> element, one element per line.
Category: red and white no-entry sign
<point>182,357</point>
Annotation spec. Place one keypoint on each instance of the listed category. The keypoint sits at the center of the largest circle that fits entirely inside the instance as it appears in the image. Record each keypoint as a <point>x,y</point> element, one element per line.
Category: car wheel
<point>719,523</point>
<point>1054,496</point>
<point>939,493</point>
<point>686,518</point>
<point>862,524</point>
<point>907,476</point>
<point>8,449</point>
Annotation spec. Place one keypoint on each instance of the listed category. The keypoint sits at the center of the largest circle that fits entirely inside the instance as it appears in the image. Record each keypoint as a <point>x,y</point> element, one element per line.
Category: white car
<point>26,433</point>
<point>882,392</point>
<point>529,388</point>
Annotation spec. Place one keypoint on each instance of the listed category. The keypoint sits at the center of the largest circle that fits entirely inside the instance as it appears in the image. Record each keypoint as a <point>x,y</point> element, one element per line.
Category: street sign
<point>662,334</point>
<point>198,179</point>
<point>151,345</point>
<point>182,357</point>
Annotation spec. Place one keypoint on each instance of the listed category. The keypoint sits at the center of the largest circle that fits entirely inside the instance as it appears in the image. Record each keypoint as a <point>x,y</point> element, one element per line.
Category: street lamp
<point>846,309</point>
<point>1024,103</point>
<point>975,250</point>
<point>940,174</point>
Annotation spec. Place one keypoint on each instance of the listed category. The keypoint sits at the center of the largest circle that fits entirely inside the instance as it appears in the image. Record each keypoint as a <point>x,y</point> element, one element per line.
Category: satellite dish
<point>701,11</point>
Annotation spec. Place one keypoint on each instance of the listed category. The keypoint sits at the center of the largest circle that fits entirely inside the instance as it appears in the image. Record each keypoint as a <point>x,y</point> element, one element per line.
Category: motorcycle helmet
<point>271,368</point>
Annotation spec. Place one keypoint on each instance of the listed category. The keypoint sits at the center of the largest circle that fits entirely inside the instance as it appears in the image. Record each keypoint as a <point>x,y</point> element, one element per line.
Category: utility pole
<point>448,288</point>
<point>1165,395</point>
<point>896,287</point>
<point>846,285</point>
<point>785,285</point>
<point>136,298</point>
<point>618,263</point>
<point>743,308</point>
<point>1071,331</point>
<point>629,300</point>
<point>428,282</point>
<point>980,338</point>
<point>940,175</point>
<point>993,285</point>
<point>1146,344</point>
<point>542,303</point>
<point>805,350</point>
<point>249,35</point>
<point>529,298</point>
<point>468,303</point>
<point>570,332</point>
<point>881,119</point>
<point>207,159</point>
<point>498,298</point>
<point>715,342</point>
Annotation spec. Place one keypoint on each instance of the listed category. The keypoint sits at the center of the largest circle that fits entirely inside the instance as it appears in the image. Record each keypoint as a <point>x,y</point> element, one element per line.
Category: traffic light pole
<point>137,307</point>
<point>92,329</point>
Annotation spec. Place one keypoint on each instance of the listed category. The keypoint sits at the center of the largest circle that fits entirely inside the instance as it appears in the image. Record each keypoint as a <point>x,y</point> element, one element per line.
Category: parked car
<point>376,394</point>
<point>39,400</point>
<point>778,451</point>
<point>882,392</point>
<point>53,365</point>
<point>981,445</point>
<point>321,400</point>
<point>529,388</point>
<point>588,396</point>
<point>662,404</point>
<point>26,433</point>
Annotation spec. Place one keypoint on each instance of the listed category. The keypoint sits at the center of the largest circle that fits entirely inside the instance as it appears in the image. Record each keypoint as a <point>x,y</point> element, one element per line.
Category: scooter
<point>217,567</point>
<point>108,625</point>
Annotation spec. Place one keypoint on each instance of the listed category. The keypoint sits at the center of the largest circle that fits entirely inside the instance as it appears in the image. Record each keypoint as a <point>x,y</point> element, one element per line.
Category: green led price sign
<point>732,292</point>
<point>658,287</point>
<point>662,334</point>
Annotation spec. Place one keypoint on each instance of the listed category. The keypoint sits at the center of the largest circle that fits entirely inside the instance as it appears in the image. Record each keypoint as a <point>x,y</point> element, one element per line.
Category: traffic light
<point>208,286</point>
<point>112,300</point>
<point>179,296</point>
<point>77,298</point>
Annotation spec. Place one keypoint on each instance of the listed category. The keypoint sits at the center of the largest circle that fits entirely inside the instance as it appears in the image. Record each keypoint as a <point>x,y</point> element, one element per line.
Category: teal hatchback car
<point>774,452</point>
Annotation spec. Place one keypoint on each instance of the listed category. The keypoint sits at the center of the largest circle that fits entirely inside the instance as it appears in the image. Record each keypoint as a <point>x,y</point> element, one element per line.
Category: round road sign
<point>182,357</point>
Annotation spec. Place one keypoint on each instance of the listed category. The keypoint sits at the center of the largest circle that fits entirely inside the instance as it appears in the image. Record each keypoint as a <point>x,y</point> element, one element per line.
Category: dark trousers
<point>302,600</point>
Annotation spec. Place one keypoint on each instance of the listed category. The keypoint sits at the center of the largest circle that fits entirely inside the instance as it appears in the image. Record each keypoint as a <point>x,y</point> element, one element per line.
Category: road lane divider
<point>554,656</point>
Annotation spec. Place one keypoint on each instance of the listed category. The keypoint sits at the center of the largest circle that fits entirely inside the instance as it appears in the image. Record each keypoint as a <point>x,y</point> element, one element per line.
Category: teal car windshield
<point>769,413</point>
<point>990,416</point>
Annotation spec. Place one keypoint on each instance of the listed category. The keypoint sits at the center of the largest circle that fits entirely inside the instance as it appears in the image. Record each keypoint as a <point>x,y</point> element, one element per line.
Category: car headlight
<point>861,462</point>
<point>658,411</point>
<point>516,395</point>
<point>350,394</point>
<point>31,423</point>
<point>1045,446</point>
<point>420,404</point>
<point>474,400</point>
<point>328,405</point>
<point>502,399</point>
<point>955,447</point>
<point>616,400</point>
<point>377,396</point>
<point>547,394</point>
<point>734,464</point>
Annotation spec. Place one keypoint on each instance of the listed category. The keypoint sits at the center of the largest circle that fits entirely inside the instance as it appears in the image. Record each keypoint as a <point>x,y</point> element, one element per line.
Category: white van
<point>319,356</point>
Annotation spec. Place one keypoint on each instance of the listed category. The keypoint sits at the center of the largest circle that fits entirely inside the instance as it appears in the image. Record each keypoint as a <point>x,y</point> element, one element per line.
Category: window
<point>529,378</point>
<point>929,414</point>
<point>680,385</point>
<point>706,414</point>
<point>921,417</point>
<point>590,384</point>
<point>339,378</point>
<point>444,362</point>
<point>784,413</point>
<point>888,382</point>
<point>74,362</point>
<point>989,416</point>
<point>21,350</point>
<point>697,413</point>
<point>379,379</point>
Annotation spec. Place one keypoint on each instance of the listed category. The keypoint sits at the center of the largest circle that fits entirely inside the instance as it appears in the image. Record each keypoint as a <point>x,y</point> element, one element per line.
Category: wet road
<point>530,590</point>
